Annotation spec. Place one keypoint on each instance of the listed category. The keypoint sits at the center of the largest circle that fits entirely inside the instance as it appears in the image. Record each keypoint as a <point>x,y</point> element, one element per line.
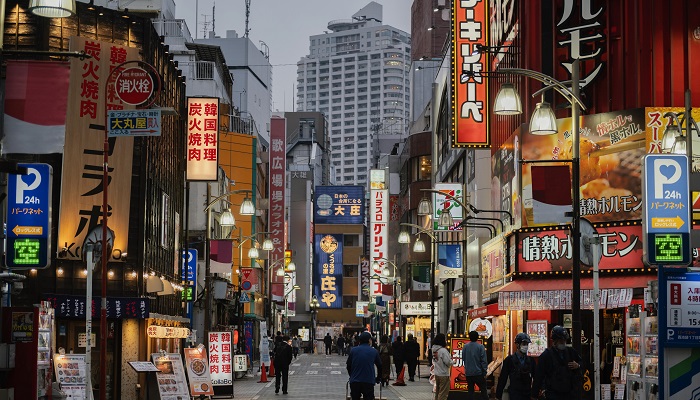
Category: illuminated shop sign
<point>339,205</point>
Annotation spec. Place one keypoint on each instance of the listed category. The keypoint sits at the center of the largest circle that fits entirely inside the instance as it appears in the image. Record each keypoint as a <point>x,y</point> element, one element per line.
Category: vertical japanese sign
<point>277,175</point>
<point>470,101</point>
<point>379,231</point>
<point>363,278</point>
<point>81,186</point>
<point>328,276</point>
<point>580,31</point>
<point>220,361</point>
<point>202,138</point>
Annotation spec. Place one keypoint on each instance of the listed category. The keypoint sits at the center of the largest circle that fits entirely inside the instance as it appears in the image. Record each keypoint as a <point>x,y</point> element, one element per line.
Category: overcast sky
<point>285,26</point>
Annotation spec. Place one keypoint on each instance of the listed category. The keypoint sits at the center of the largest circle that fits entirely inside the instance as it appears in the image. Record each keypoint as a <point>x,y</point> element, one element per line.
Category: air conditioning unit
<point>142,6</point>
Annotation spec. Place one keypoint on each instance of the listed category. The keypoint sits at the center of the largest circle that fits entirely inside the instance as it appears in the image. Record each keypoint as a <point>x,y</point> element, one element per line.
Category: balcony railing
<point>198,70</point>
<point>176,28</point>
<point>242,125</point>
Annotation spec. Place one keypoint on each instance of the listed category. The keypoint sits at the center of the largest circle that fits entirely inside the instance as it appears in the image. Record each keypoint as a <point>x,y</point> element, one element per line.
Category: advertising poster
<point>328,271</point>
<point>248,332</point>
<point>22,326</point>
<point>198,372</point>
<point>450,260</point>
<point>612,145</point>
<point>537,330</point>
<point>493,266</point>
<point>70,374</point>
<point>172,383</point>
<point>458,380</point>
<point>505,179</point>
<point>421,277</point>
<point>220,361</point>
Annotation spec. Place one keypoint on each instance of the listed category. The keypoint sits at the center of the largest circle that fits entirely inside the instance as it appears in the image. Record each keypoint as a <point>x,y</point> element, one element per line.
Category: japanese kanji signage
<point>277,214</point>
<point>202,138</point>
<point>328,276</point>
<point>561,299</point>
<point>470,94</point>
<point>339,205</point>
<point>666,221</point>
<point>67,306</point>
<point>81,186</point>
<point>29,217</point>
<point>379,237</point>
<point>172,382</point>
<point>220,361</point>
<point>133,123</point>
<point>134,85</point>
<point>551,250</point>
<point>458,381</point>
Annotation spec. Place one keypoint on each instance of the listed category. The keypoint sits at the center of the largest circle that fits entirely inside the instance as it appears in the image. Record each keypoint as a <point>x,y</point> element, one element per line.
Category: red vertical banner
<point>470,95</point>
<point>276,222</point>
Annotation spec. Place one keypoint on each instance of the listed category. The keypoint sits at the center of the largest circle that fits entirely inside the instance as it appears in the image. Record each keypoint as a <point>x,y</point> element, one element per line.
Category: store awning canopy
<point>555,294</point>
<point>605,282</point>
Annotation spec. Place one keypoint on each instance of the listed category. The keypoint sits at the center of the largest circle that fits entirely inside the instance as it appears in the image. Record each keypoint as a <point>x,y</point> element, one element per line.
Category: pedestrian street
<point>325,377</point>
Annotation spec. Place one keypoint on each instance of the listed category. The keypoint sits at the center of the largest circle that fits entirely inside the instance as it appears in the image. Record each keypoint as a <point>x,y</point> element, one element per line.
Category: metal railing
<point>173,28</point>
<point>242,125</point>
<point>198,70</point>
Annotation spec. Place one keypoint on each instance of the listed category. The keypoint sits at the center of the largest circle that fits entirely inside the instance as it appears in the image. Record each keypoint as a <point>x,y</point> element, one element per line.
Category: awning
<point>555,294</point>
<point>485,311</point>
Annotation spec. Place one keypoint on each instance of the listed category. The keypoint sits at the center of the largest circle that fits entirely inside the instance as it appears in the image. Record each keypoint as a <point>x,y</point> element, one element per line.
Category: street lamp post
<point>419,247</point>
<point>285,325</point>
<point>543,121</point>
<point>313,305</point>
<point>395,280</point>
<point>281,272</point>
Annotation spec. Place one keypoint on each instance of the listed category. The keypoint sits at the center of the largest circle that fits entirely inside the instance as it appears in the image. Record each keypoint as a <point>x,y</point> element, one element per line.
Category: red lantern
<point>235,337</point>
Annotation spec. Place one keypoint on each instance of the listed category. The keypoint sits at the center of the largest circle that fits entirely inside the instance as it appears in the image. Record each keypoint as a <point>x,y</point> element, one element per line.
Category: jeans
<point>361,389</point>
<point>480,381</point>
<point>282,372</point>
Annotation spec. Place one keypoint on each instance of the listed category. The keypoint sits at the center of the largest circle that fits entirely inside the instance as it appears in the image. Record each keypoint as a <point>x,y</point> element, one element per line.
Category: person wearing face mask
<point>558,370</point>
<point>518,368</point>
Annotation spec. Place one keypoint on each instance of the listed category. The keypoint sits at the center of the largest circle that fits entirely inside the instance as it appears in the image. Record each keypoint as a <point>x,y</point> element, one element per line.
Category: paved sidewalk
<point>323,377</point>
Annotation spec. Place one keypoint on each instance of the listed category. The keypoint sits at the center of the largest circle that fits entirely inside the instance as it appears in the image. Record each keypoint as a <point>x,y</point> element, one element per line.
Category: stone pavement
<point>324,377</point>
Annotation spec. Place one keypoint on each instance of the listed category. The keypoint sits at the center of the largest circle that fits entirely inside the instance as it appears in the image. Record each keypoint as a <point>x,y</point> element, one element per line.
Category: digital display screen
<point>27,251</point>
<point>668,248</point>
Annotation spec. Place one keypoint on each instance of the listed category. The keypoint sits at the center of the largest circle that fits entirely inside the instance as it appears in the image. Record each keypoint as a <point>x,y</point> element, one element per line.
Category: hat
<point>365,337</point>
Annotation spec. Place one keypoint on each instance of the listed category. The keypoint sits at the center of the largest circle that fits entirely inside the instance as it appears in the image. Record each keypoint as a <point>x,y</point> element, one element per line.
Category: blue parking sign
<point>29,217</point>
<point>667,204</point>
<point>189,265</point>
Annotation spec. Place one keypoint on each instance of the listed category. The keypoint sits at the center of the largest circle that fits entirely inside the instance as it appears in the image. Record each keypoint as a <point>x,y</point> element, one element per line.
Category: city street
<point>324,377</point>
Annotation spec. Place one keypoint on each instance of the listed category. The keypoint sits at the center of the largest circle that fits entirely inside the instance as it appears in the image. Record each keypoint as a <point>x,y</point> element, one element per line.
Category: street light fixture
<point>404,237</point>
<point>52,8</point>
<point>313,306</point>
<point>247,207</point>
<point>424,207</point>
<point>507,101</point>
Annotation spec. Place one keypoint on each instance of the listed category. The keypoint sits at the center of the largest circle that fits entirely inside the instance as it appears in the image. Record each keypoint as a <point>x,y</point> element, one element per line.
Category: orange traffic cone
<point>263,374</point>
<point>272,368</point>
<point>399,378</point>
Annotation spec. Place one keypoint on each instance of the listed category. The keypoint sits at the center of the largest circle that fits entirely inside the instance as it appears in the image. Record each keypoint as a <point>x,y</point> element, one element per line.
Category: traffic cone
<point>263,374</point>
<point>272,367</point>
<point>399,378</point>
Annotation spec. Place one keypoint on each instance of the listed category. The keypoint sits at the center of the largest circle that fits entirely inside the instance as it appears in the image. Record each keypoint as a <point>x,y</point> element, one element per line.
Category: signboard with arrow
<point>144,122</point>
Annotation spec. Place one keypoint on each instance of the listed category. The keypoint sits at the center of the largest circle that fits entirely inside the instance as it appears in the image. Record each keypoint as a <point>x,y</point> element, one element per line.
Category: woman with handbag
<point>442,361</point>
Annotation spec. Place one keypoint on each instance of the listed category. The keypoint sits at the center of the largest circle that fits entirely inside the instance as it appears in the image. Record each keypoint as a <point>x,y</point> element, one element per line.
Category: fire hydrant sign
<point>134,86</point>
<point>220,361</point>
<point>683,309</point>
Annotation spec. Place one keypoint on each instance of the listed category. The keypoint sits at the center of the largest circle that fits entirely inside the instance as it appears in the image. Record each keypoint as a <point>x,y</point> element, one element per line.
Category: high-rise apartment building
<point>357,73</point>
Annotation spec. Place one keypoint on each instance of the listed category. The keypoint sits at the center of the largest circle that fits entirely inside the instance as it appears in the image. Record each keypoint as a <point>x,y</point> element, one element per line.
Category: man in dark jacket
<point>283,357</point>
<point>328,342</point>
<point>411,351</point>
<point>518,369</point>
<point>360,365</point>
<point>341,345</point>
<point>558,370</point>
<point>398,352</point>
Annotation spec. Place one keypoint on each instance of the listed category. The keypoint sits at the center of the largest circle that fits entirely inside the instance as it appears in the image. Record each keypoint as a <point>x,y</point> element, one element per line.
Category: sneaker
<point>284,392</point>
<point>277,391</point>
<point>411,380</point>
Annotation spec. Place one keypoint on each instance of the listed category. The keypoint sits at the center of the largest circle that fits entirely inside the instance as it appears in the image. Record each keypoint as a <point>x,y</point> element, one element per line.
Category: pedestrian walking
<point>475,366</point>
<point>283,357</point>
<point>295,346</point>
<point>558,370</point>
<point>340,344</point>
<point>385,358</point>
<point>442,361</point>
<point>518,369</point>
<point>360,365</point>
<point>328,343</point>
<point>397,353</point>
<point>411,352</point>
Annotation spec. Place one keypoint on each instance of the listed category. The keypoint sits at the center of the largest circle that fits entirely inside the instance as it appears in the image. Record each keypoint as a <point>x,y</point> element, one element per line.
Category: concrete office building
<point>357,73</point>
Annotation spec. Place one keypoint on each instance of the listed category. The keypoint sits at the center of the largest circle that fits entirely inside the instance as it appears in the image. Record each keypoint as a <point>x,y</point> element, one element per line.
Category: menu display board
<point>172,384</point>
<point>71,374</point>
<point>537,330</point>
<point>198,372</point>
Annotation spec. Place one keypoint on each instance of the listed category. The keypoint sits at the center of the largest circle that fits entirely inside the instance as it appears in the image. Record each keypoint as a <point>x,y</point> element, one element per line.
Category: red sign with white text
<point>551,250</point>
<point>470,95</point>
<point>134,86</point>
<point>276,222</point>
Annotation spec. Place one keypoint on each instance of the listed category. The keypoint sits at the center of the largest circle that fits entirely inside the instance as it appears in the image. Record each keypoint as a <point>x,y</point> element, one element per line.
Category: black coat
<point>398,352</point>
<point>283,355</point>
<point>411,350</point>
<point>520,376</point>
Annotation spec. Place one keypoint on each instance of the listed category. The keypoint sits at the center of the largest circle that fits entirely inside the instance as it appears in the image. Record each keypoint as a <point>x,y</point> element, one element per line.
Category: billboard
<point>202,138</point>
<point>276,216</point>
<point>328,270</point>
<point>339,205</point>
<point>470,94</point>
<point>443,203</point>
<point>379,241</point>
<point>493,266</point>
